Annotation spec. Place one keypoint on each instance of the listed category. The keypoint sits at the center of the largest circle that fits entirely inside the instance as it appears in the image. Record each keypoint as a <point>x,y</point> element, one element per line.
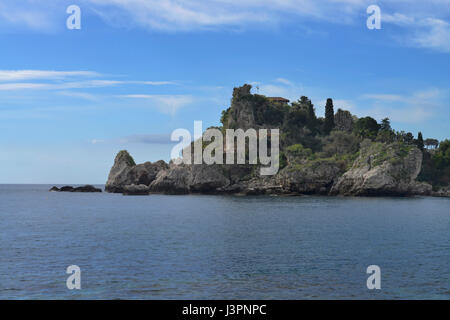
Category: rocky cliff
<point>125,172</point>
<point>330,165</point>
<point>379,170</point>
<point>383,169</point>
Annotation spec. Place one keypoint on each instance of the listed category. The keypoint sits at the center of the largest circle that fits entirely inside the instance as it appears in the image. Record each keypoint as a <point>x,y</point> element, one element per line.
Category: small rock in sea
<point>86,188</point>
<point>66,189</point>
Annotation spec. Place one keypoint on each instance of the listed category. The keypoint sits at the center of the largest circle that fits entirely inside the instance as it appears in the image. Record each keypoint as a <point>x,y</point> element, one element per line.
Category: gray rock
<point>310,177</point>
<point>175,180</point>
<point>118,175</point>
<point>262,185</point>
<point>420,188</point>
<point>242,110</point>
<point>86,188</point>
<point>382,170</point>
<point>136,190</point>
<point>207,178</point>
<point>442,192</point>
<point>343,120</point>
<point>125,172</point>
<point>66,189</point>
<point>182,179</point>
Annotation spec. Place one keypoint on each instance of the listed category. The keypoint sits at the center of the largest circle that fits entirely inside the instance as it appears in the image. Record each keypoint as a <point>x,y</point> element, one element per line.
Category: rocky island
<point>336,155</point>
<point>86,188</point>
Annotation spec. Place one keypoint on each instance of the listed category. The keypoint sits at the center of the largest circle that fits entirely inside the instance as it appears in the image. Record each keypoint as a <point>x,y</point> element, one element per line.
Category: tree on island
<point>419,141</point>
<point>442,156</point>
<point>385,134</point>
<point>311,112</point>
<point>385,125</point>
<point>329,117</point>
<point>408,138</point>
<point>431,143</point>
<point>366,127</point>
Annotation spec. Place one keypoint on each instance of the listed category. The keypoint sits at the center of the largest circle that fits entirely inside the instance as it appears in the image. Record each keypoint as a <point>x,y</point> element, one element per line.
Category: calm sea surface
<point>220,247</point>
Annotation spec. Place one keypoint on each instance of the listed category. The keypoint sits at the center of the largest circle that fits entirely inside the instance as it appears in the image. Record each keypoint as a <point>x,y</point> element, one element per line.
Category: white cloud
<point>425,25</point>
<point>169,104</point>
<point>81,95</point>
<point>416,107</point>
<point>431,33</point>
<point>26,14</point>
<point>20,75</point>
<point>421,24</point>
<point>22,86</point>
<point>283,81</point>
<point>147,139</point>
<point>434,35</point>
<point>97,141</point>
<point>62,80</point>
<point>280,87</point>
<point>187,15</point>
<point>384,97</point>
<point>337,104</point>
<point>59,86</point>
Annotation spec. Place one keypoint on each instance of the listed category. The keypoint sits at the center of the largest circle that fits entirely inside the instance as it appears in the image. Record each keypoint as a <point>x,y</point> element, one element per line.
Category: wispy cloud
<point>422,24</point>
<point>62,80</point>
<point>416,107</point>
<point>172,15</point>
<point>26,14</point>
<point>20,75</point>
<point>431,33</point>
<point>147,139</point>
<point>80,95</point>
<point>82,84</point>
<point>169,104</point>
<point>138,139</point>
<point>279,87</point>
<point>435,34</point>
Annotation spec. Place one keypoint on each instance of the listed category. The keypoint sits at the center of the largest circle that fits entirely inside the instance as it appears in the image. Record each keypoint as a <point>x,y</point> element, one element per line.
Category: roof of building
<point>278,99</point>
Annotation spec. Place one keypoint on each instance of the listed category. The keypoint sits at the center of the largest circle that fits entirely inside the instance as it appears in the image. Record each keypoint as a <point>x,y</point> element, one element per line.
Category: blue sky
<point>137,70</point>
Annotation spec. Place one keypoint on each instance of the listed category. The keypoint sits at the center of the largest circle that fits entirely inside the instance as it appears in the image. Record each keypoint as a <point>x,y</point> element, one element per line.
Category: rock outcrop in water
<point>373,173</point>
<point>136,190</point>
<point>125,172</point>
<point>312,162</point>
<point>86,188</point>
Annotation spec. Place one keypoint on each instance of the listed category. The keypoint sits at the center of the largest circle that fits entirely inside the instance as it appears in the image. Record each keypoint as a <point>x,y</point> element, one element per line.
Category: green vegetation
<point>420,144</point>
<point>366,128</point>
<point>340,143</point>
<point>123,154</point>
<point>306,139</point>
<point>224,117</point>
<point>329,116</point>
<point>436,165</point>
<point>299,152</point>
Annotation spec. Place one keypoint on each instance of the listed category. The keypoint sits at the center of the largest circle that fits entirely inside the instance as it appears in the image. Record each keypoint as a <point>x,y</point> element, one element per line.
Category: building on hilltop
<point>278,100</point>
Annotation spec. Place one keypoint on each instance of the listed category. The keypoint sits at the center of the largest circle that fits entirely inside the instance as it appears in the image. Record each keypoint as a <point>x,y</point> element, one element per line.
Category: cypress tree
<point>311,112</point>
<point>329,116</point>
<point>420,143</point>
